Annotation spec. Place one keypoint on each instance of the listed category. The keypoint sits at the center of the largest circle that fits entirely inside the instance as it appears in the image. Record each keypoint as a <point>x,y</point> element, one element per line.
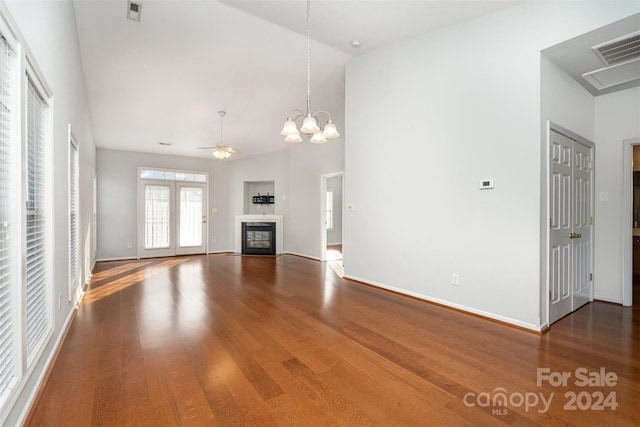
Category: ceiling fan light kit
<point>221,151</point>
<point>310,123</point>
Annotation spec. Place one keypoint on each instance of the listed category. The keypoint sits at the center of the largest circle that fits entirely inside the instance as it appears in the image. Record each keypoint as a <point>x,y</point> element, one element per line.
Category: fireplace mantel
<point>259,218</point>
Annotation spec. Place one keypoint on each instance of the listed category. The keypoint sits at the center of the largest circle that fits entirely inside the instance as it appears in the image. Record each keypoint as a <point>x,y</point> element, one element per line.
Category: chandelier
<point>310,123</point>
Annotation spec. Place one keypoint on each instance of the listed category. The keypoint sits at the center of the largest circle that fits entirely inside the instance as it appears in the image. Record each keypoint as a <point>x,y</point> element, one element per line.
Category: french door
<point>171,218</point>
<point>571,219</point>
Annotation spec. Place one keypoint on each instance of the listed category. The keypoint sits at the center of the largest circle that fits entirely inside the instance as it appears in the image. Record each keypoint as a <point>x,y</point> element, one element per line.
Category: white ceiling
<point>164,79</point>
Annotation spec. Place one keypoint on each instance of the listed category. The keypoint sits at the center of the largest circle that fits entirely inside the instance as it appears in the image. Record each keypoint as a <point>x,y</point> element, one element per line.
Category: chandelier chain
<point>317,132</point>
<point>308,56</point>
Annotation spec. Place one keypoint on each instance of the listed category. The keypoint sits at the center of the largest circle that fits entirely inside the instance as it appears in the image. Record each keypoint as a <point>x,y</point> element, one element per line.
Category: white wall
<point>563,102</point>
<point>617,117</point>
<point>252,189</point>
<point>307,163</point>
<point>117,198</point>
<point>457,105</point>
<point>273,167</point>
<point>50,31</point>
<point>296,172</point>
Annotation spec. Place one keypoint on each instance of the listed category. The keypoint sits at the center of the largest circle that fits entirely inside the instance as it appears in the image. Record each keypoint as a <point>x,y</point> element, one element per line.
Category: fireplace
<point>278,220</point>
<point>259,238</point>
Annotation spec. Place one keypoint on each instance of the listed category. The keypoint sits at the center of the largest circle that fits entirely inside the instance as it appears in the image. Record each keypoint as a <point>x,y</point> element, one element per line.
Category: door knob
<point>204,219</point>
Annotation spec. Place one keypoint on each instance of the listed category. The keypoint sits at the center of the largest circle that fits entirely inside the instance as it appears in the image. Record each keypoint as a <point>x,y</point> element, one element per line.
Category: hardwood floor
<point>231,340</point>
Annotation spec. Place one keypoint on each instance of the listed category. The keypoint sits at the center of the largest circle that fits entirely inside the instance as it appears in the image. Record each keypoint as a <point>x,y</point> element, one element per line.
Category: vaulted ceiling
<point>163,79</point>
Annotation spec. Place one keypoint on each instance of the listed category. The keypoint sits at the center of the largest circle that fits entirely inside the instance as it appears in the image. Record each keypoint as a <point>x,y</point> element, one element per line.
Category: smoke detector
<point>134,10</point>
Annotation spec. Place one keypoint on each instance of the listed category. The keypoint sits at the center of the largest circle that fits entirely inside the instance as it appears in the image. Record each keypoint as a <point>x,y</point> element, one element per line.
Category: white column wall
<point>454,107</point>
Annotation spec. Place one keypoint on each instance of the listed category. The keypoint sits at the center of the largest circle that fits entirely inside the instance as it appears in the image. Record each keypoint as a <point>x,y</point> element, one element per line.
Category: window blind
<point>8,374</point>
<point>36,238</point>
<point>74,261</point>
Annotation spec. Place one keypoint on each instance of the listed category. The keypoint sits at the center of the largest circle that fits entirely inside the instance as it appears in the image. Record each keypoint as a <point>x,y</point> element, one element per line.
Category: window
<point>74,220</point>
<point>8,264</point>
<point>157,216</point>
<point>329,220</point>
<point>172,175</point>
<point>37,230</point>
<point>26,247</point>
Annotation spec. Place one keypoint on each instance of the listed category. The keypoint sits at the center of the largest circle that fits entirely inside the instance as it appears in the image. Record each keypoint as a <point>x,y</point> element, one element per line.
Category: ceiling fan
<point>221,151</point>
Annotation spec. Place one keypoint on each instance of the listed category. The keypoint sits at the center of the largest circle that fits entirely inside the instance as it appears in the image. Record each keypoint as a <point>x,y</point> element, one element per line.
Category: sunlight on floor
<point>102,287</point>
<point>334,259</point>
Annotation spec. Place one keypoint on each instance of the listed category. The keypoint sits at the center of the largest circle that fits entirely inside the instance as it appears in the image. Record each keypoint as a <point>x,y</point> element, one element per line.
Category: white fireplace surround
<point>259,218</point>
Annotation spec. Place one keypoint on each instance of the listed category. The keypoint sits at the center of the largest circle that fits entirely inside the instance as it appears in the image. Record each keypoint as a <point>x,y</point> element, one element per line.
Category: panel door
<point>571,251</point>
<point>582,203</point>
<point>561,251</point>
<point>191,205</point>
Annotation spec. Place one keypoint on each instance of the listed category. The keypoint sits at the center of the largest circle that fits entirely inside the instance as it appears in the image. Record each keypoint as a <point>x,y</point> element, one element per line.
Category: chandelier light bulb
<point>330,130</point>
<point>293,138</point>
<point>318,138</point>
<point>289,127</point>
<point>309,125</point>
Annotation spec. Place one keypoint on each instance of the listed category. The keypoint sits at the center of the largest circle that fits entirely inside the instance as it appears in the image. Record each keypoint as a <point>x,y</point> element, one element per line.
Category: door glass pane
<point>156,216</point>
<point>190,216</point>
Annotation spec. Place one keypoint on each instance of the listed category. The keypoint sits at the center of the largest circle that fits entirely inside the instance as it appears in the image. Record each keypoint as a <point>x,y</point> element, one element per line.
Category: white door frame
<point>626,223</point>
<point>174,184</point>
<point>323,211</point>
<point>572,135</point>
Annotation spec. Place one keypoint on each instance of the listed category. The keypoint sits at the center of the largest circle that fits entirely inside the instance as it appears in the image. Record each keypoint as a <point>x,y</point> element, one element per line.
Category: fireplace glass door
<point>258,238</point>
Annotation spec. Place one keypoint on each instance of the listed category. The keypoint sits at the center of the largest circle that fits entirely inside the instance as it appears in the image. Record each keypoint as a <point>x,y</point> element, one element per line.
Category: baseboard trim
<point>220,252</point>
<point>607,300</point>
<point>302,255</point>
<point>34,399</point>
<point>117,259</point>
<point>507,321</point>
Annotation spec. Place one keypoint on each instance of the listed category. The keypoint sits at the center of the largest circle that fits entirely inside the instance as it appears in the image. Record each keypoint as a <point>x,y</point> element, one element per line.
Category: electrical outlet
<point>129,245</point>
<point>213,241</point>
<point>455,279</point>
<point>59,301</point>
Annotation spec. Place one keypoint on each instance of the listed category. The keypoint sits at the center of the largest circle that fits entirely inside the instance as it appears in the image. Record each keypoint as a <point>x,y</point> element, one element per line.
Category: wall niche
<point>252,189</point>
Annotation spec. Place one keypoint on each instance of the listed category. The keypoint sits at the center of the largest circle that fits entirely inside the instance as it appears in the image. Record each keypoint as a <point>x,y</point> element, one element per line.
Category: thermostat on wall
<point>486,184</point>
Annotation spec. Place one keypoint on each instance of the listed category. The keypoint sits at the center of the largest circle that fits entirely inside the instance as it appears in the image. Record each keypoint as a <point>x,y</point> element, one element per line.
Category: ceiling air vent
<point>622,59</point>
<point>134,10</point>
<point>622,49</point>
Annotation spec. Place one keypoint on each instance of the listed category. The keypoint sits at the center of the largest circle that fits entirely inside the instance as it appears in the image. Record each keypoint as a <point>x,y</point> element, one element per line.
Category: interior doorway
<point>332,203</point>
<point>631,223</point>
